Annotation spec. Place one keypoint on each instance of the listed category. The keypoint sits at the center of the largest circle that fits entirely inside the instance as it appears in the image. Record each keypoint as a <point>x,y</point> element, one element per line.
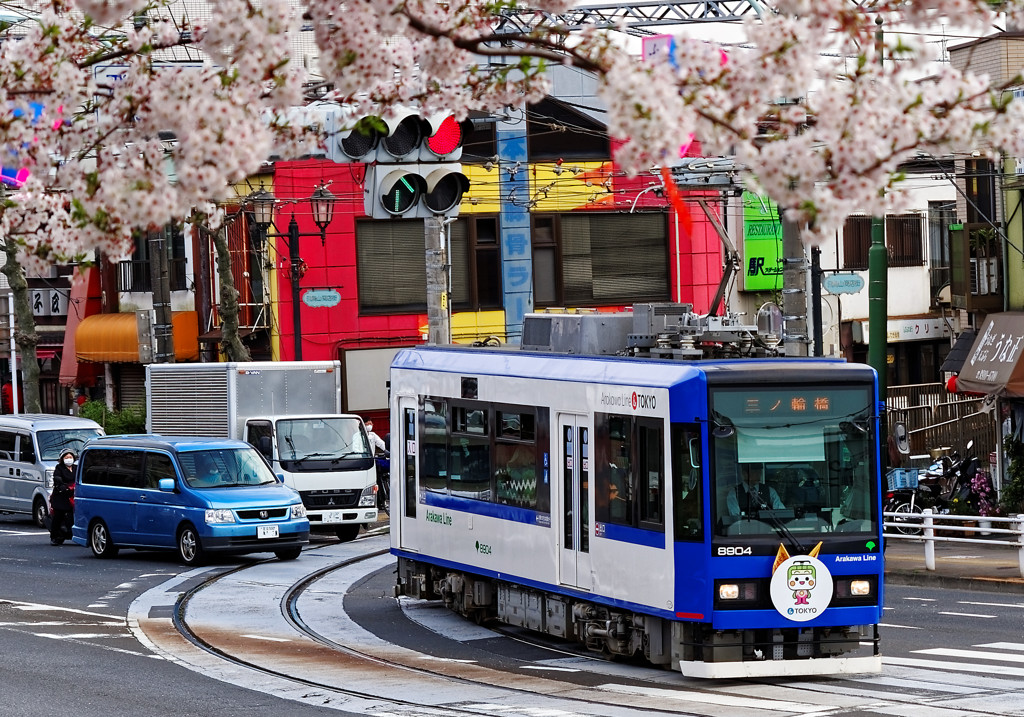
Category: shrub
<point>131,419</point>
<point>1011,499</point>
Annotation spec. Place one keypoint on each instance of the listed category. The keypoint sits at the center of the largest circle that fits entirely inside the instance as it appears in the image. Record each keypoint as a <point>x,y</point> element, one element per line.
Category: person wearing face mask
<point>62,498</point>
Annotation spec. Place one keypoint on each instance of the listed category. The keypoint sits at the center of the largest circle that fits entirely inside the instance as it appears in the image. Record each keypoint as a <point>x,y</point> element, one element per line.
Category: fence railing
<point>931,528</point>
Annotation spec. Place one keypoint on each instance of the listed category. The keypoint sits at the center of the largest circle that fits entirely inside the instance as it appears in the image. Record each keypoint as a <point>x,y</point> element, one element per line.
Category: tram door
<point>404,490</point>
<point>574,456</point>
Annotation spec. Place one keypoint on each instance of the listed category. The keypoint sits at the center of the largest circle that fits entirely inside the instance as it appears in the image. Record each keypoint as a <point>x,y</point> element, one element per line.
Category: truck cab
<point>328,460</point>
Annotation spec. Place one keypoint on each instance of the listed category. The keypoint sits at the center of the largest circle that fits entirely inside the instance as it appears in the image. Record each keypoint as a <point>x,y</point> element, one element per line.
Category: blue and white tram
<point>721,518</point>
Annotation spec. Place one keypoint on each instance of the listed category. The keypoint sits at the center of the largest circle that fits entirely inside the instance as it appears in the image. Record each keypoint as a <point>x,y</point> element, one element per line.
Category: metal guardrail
<point>922,527</point>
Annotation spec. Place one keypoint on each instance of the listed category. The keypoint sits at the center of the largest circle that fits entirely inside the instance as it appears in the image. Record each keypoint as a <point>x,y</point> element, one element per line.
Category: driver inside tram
<point>751,494</point>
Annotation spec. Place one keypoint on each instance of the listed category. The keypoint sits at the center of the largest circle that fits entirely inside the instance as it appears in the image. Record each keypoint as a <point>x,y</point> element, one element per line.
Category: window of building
<point>136,274</point>
<point>904,240</point>
<point>583,260</point>
<point>392,265</point>
<point>980,191</point>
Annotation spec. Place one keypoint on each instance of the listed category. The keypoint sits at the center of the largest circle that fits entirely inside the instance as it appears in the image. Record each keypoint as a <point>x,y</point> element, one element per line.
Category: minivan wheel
<point>40,513</point>
<point>347,532</point>
<point>99,541</point>
<point>288,553</point>
<point>190,550</point>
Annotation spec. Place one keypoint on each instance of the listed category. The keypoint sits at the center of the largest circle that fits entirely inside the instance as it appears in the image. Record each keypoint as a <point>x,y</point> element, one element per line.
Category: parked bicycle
<point>945,483</point>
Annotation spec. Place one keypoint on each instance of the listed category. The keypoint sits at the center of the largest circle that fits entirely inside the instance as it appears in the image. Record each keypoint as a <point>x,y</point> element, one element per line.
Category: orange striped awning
<point>114,338</point>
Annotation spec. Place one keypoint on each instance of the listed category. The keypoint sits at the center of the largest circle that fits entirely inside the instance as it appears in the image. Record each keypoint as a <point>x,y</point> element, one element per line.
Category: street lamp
<point>261,204</point>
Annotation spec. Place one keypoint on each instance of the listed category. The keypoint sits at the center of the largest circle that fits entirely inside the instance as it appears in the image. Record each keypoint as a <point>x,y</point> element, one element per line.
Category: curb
<point>924,578</point>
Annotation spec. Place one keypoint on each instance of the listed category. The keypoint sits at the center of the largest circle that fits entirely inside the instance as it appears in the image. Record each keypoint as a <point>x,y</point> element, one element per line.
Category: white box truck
<point>291,412</point>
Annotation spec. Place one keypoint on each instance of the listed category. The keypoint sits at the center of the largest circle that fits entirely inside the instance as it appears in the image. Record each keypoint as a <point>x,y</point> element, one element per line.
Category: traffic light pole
<point>438,316</point>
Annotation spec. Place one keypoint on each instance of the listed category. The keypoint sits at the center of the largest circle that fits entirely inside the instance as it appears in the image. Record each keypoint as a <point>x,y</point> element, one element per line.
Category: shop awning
<point>993,364</point>
<point>958,354</point>
<point>114,338</point>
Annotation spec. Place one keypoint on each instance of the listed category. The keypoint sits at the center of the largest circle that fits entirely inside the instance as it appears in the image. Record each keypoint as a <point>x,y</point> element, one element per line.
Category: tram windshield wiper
<point>765,511</point>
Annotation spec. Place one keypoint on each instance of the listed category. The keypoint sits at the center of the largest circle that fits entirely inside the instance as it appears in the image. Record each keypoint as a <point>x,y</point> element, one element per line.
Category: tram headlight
<point>744,591</point>
<point>860,587</point>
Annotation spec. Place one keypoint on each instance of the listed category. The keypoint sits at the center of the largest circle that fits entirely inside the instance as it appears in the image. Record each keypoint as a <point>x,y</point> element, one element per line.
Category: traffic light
<point>414,172</point>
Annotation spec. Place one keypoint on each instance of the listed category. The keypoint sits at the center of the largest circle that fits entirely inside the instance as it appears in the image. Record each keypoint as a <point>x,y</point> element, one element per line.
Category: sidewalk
<point>972,566</point>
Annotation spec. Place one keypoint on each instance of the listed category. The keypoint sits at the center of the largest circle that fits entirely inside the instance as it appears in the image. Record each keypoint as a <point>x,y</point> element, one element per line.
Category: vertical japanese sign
<point>762,244</point>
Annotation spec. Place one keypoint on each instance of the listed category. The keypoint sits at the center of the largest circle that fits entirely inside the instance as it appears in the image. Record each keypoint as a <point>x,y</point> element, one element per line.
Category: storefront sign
<point>315,298</point>
<point>843,283</point>
<point>762,244</point>
<point>925,329</point>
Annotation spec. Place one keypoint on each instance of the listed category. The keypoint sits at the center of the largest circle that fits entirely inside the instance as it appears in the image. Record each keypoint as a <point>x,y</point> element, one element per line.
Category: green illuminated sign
<point>762,244</point>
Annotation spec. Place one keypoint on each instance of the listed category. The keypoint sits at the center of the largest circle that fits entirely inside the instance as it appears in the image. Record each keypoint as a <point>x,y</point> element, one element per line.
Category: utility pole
<point>163,330</point>
<point>794,291</point>
<point>438,317</point>
<point>878,299</point>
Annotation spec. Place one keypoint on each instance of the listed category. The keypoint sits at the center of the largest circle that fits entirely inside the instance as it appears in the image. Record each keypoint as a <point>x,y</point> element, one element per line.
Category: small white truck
<point>288,410</point>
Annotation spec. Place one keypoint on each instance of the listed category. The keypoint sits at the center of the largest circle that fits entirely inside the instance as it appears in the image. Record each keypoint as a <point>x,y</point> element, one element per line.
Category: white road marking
<point>970,654</point>
<point>934,665</point>
<point>1003,645</point>
<point>265,637</point>
<point>902,627</point>
<point>549,668</point>
<point>55,608</point>
<point>921,599</point>
<point>992,604</point>
<point>965,614</point>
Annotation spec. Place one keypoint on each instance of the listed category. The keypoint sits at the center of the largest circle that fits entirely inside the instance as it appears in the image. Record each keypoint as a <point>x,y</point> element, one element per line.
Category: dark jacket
<point>63,488</point>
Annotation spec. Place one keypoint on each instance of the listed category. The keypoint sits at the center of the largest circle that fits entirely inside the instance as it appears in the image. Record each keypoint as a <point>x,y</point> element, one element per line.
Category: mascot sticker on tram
<point>801,586</point>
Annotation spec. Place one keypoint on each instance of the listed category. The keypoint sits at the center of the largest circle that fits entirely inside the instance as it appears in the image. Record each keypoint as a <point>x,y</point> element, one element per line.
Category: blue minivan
<point>190,494</point>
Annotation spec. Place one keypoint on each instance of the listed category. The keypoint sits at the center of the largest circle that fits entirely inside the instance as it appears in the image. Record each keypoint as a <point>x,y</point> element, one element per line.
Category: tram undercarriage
<point>695,649</point>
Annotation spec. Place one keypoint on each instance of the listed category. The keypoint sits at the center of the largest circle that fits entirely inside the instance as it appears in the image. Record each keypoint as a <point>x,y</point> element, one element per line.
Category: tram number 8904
<point>735,550</point>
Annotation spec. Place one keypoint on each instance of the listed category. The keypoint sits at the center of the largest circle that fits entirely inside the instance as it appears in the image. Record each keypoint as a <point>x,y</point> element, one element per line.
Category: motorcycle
<point>945,482</point>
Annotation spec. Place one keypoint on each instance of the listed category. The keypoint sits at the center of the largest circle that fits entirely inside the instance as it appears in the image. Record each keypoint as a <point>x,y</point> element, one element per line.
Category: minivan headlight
<point>298,511</point>
<point>368,498</point>
<point>219,515</point>
<point>49,479</point>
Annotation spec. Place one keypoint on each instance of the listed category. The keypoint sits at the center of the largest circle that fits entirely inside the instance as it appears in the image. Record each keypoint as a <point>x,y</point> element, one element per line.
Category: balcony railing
<point>136,275</point>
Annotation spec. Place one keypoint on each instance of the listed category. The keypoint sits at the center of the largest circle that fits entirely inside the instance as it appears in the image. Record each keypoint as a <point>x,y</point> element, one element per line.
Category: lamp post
<point>262,206</point>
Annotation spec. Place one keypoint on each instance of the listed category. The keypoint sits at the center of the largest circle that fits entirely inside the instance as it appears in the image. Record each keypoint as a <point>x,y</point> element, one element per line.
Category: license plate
<point>332,516</point>
<point>266,531</point>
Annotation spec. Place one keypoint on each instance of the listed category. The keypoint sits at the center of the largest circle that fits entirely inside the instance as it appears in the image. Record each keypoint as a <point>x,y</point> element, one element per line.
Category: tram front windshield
<point>793,459</point>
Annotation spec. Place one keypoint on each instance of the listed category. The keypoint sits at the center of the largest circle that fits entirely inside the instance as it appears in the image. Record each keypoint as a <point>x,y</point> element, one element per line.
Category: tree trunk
<point>25,335</point>
<point>228,305</point>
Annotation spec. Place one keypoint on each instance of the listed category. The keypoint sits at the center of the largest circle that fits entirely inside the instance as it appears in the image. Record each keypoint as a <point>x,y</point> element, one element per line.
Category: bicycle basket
<point>902,478</point>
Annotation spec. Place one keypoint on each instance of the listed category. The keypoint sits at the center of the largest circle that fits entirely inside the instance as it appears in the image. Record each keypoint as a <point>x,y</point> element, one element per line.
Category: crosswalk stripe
<point>969,654</point>
<point>1003,645</point>
<point>1004,670</point>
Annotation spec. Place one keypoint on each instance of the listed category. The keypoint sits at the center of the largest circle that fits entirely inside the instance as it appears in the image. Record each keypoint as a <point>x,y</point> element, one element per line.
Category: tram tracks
<point>345,667</point>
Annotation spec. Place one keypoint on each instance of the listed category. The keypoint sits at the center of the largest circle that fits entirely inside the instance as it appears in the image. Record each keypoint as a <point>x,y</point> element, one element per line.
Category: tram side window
<point>628,471</point>
<point>516,458</point>
<point>470,458</point>
<point>434,446</point>
<point>687,482</point>
<point>651,473</point>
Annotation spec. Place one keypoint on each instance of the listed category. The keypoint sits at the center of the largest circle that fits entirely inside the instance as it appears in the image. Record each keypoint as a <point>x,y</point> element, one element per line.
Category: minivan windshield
<point>53,443</point>
<point>225,468</point>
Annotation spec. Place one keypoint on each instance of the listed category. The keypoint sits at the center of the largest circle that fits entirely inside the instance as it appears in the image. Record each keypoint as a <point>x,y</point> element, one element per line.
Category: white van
<point>30,445</point>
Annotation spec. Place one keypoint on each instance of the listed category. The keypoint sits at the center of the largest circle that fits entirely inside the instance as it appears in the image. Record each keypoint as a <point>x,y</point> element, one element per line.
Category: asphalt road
<point>68,648</point>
